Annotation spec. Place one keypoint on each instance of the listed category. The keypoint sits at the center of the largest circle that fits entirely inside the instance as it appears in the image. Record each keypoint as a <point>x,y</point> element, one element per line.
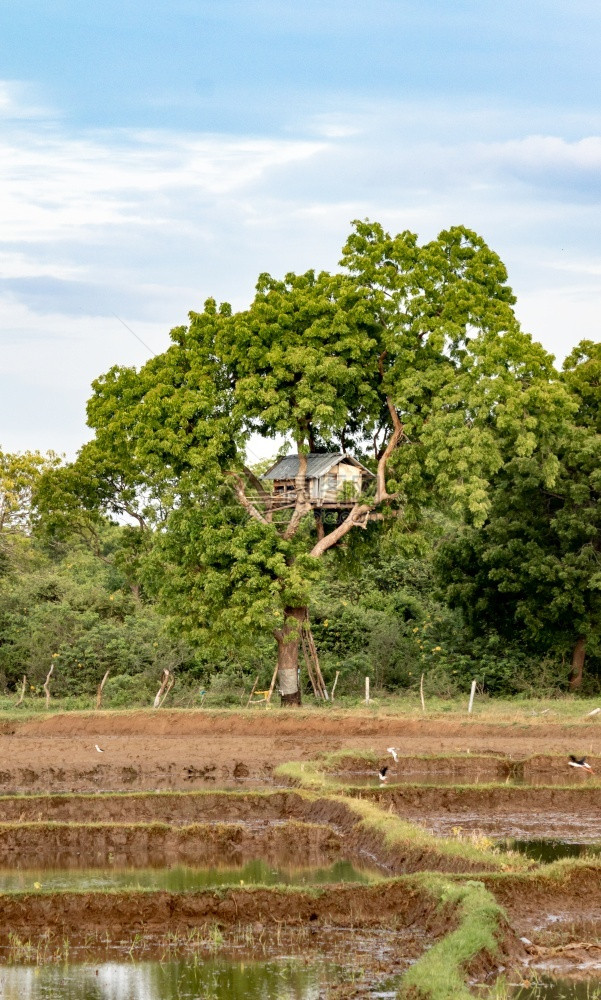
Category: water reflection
<point>180,878</point>
<point>216,979</point>
<point>560,989</point>
<point>546,851</point>
<point>473,777</point>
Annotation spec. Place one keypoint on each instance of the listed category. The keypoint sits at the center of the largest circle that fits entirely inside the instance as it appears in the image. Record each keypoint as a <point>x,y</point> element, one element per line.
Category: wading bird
<point>96,747</point>
<point>394,752</point>
<point>580,762</point>
<point>382,773</point>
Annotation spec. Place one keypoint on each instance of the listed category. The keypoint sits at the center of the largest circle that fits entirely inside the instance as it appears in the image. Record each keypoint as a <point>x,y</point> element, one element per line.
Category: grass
<point>503,711</point>
<point>386,825</point>
<point>440,972</point>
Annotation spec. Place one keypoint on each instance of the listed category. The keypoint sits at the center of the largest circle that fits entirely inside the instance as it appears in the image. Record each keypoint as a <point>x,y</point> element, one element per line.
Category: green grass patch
<point>440,972</point>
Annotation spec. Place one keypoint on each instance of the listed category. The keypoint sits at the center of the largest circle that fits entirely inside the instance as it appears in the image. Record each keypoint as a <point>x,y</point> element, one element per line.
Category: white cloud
<point>146,224</point>
<point>17,101</point>
<point>542,152</point>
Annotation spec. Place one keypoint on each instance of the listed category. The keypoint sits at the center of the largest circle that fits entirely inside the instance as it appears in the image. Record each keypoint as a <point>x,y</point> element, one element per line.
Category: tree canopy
<point>410,358</point>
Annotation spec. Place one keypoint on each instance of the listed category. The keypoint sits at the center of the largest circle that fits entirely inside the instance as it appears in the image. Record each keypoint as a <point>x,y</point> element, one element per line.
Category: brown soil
<point>68,845</point>
<point>154,752</point>
<point>535,900</point>
<point>128,913</point>
<point>253,807</point>
<point>178,749</point>
<point>503,811</point>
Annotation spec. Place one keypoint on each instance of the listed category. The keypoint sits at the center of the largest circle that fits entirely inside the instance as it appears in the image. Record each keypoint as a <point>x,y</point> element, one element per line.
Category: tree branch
<point>302,505</point>
<point>395,437</point>
<point>263,493</point>
<point>246,503</point>
<point>358,517</point>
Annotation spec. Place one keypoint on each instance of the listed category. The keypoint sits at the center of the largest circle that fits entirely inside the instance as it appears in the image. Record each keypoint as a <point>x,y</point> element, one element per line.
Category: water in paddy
<point>180,878</point>
<point>570,777</point>
<point>560,989</point>
<point>546,851</point>
<point>215,979</point>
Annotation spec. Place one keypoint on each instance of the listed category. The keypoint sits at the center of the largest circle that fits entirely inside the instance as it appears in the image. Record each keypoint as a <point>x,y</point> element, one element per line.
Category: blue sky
<point>152,154</point>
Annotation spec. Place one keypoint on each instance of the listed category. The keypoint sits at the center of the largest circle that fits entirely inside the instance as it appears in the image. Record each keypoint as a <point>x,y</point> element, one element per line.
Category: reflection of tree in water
<point>215,979</point>
<point>180,878</point>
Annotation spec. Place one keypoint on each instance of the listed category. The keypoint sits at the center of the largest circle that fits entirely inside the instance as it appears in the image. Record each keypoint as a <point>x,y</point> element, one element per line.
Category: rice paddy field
<point>259,855</point>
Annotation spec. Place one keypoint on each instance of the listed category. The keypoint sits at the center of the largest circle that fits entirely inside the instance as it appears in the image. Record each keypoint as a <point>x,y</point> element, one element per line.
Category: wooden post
<point>164,682</point>
<point>253,690</point>
<point>22,695</point>
<point>46,688</point>
<point>310,656</point>
<point>472,693</point>
<point>334,685</point>
<point>168,688</point>
<point>272,685</point>
<point>367,690</point>
<point>421,693</point>
<point>101,688</point>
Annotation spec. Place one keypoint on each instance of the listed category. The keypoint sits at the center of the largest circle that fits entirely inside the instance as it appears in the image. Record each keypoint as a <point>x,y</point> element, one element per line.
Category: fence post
<point>472,693</point>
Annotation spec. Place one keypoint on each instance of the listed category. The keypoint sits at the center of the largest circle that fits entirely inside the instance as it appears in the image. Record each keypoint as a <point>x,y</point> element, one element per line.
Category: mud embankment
<point>572,814</point>
<point>567,893</point>
<point>67,845</point>
<point>360,840</point>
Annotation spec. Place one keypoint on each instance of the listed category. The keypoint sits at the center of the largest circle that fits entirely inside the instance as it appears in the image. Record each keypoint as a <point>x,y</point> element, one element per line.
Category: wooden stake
<point>168,689</point>
<point>334,685</point>
<point>321,684</point>
<point>164,682</point>
<point>46,688</point>
<point>308,663</point>
<point>472,693</point>
<point>253,690</point>
<point>22,695</point>
<point>101,688</point>
<point>272,685</point>
<point>366,690</point>
<point>421,693</point>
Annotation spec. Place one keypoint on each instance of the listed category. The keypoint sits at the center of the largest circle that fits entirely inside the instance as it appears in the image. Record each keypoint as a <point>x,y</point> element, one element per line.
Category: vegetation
<point>440,973</point>
<point>471,552</point>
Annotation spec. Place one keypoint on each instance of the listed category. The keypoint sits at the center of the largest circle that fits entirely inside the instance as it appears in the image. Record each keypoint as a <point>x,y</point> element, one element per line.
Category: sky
<point>155,154</point>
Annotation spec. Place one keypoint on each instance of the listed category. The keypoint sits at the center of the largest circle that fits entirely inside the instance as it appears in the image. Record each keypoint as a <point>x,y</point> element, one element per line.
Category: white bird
<point>394,753</point>
<point>382,773</point>
<point>98,748</point>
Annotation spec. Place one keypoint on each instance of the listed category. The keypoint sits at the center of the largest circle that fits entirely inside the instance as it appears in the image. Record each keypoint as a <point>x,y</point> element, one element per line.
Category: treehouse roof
<point>318,464</point>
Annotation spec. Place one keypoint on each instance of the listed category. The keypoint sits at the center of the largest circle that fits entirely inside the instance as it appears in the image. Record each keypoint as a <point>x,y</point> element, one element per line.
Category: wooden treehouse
<point>334,479</point>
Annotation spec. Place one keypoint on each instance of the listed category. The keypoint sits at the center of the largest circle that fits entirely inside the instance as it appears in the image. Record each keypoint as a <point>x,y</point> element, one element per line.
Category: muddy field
<point>190,749</point>
<point>201,788</point>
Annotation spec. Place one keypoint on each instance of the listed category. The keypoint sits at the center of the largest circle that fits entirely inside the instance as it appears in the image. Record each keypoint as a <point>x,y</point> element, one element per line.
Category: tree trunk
<point>578,654</point>
<point>288,640</point>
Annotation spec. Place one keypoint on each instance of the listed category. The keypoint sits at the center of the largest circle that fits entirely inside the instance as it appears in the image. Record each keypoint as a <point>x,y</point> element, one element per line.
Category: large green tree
<point>533,569</point>
<point>410,357</point>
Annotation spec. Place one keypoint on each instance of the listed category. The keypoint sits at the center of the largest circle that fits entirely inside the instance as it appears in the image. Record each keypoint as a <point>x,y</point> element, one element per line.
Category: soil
<point>177,749</point>
<point>149,754</point>
<point>186,844</point>
<point>500,812</point>
<point>67,845</point>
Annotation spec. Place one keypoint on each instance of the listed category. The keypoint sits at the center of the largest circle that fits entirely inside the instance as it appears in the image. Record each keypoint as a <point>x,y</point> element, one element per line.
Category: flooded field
<point>547,851</point>
<point>560,989</point>
<point>179,878</point>
<point>212,979</point>
<point>185,864</point>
